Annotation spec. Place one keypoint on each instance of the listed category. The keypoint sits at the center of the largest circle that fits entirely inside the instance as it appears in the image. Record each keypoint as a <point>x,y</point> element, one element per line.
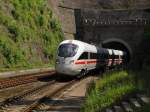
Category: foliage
<point>142,79</point>
<point>108,90</point>
<point>143,82</point>
<point>145,108</point>
<point>30,33</point>
<point>12,54</point>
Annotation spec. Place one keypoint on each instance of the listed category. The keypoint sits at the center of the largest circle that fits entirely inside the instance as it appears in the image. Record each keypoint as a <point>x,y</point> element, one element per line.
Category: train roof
<point>84,45</point>
<point>93,48</point>
<point>77,42</point>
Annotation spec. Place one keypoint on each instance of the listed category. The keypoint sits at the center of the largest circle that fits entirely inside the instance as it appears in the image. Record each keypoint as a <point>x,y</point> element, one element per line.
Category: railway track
<point>32,100</point>
<point>19,80</point>
<point>131,104</point>
<point>26,101</point>
<point>57,93</point>
<point>59,99</point>
<point>20,96</point>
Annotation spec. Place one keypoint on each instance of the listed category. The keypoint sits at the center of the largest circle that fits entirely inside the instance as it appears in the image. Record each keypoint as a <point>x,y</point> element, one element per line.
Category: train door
<point>113,58</point>
<point>119,60</point>
<point>88,64</point>
<point>83,61</point>
<point>92,63</point>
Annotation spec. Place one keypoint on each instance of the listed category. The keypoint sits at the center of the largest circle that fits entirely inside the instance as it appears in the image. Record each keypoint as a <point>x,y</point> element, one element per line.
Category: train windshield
<point>67,50</point>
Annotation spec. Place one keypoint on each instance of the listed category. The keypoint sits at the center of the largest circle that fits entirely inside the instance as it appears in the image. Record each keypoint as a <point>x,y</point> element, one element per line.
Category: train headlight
<point>71,62</point>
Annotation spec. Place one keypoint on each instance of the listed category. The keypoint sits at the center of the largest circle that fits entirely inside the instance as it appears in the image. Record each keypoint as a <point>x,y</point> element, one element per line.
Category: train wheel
<point>82,73</point>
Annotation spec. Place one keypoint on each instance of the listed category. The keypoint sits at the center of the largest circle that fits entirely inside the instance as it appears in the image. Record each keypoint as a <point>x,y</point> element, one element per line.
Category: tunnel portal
<point>118,45</point>
<point>82,21</point>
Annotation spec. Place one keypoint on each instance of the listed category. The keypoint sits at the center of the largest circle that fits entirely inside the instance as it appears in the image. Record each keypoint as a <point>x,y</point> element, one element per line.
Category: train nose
<point>64,69</point>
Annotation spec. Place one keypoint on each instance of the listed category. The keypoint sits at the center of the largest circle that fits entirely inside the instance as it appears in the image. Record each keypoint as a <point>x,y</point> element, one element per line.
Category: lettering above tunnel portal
<point>96,17</point>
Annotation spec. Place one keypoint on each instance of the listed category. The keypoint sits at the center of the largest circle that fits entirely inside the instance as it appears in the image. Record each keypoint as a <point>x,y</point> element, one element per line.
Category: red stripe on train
<point>80,62</point>
<point>86,62</point>
<point>91,62</point>
<point>94,61</point>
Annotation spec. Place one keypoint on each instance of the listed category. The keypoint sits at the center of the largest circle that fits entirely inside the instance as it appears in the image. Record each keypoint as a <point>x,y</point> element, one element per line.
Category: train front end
<point>66,55</point>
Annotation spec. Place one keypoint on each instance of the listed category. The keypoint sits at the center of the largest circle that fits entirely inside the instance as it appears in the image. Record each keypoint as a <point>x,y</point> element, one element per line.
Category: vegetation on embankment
<point>29,34</point>
<point>142,78</point>
<point>108,90</point>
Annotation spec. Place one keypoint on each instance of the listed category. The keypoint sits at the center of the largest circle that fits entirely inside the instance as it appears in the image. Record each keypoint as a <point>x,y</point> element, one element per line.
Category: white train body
<point>74,56</point>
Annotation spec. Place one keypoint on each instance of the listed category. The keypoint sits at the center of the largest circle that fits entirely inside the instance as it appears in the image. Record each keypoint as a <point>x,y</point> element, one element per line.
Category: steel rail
<point>54,93</point>
<point>19,80</point>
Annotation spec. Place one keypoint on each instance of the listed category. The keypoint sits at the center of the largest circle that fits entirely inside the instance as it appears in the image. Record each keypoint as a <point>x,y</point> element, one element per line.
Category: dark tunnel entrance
<point>118,45</point>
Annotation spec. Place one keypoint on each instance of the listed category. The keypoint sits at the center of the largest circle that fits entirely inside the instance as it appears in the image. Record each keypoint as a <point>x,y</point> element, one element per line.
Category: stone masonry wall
<point>69,12</point>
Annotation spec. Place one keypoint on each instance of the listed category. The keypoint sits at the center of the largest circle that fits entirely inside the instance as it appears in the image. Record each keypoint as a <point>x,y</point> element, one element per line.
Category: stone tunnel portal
<point>118,45</point>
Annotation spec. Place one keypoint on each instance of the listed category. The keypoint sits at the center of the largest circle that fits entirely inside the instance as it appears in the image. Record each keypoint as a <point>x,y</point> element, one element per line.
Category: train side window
<point>106,56</point>
<point>113,56</point>
<point>93,56</point>
<point>117,57</point>
<point>102,56</point>
<point>99,56</point>
<point>84,55</point>
<point>109,56</point>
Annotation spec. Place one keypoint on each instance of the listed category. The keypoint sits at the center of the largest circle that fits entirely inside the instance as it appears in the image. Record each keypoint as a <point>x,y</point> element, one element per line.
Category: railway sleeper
<point>109,110</point>
<point>118,108</point>
<point>127,107</point>
<point>143,99</point>
<point>133,104</point>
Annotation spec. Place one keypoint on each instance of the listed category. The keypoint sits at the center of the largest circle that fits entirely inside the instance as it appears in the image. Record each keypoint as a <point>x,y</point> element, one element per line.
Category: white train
<point>75,57</point>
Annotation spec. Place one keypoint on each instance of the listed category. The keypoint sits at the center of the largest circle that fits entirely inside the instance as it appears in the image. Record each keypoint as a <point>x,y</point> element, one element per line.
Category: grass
<point>108,90</point>
<point>143,83</point>
<point>145,108</point>
<point>114,87</point>
<point>143,79</point>
<point>30,34</point>
<point>26,68</point>
<point>109,79</point>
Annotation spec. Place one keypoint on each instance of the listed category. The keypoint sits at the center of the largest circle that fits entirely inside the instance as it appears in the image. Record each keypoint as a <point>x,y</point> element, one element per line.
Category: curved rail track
<point>31,99</point>
<point>58,93</point>
<point>19,80</point>
<point>50,101</point>
<point>36,94</point>
<point>9,101</point>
